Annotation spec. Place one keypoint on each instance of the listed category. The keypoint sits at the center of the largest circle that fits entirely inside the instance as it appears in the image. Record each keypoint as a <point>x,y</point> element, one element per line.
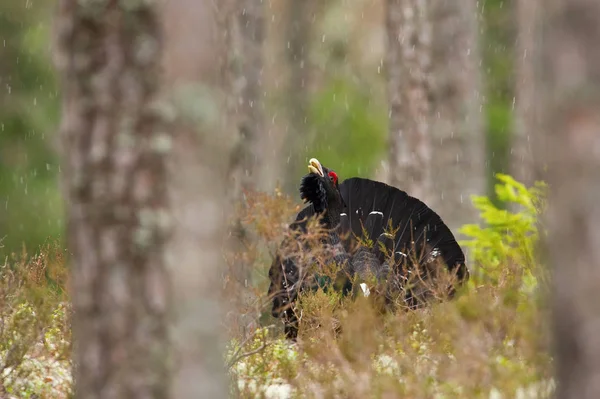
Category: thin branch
<point>237,356</point>
<point>245,355</point>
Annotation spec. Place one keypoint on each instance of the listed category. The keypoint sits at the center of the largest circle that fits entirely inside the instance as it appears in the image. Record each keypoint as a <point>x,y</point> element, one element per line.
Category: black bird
<point>321,190</point>
<point>401,229</point>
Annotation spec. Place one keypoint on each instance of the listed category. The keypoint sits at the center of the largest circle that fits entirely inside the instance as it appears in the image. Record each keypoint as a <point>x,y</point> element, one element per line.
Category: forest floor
<point>491,341</point>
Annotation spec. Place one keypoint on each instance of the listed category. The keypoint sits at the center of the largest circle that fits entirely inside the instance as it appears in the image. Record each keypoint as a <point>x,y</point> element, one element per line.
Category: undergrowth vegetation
<point>490,341</point>
<point>35,328</point>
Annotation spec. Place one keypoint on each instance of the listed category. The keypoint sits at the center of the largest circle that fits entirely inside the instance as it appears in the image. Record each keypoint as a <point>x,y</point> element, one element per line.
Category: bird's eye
<point>333,176</point>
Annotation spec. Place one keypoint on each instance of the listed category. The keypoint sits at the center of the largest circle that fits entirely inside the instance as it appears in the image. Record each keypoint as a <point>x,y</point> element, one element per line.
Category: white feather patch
<point>365,289</point>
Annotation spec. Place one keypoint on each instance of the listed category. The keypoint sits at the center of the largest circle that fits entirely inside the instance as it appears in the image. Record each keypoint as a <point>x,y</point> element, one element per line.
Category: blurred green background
<point>30,205</point>
<point>346,119</point>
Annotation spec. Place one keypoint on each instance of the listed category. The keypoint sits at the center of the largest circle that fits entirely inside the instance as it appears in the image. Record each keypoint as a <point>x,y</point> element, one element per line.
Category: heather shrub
<point>490,340</point>
<point>35,332</point>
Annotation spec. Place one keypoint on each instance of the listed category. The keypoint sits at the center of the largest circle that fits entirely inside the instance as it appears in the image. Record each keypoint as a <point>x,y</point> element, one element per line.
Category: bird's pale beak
<point>314,166</point>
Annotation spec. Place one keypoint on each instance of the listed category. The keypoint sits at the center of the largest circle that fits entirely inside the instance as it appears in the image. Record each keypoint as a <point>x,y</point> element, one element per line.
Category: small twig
<point>237,356</point>
<point>244,342</point>
<point>236,359</point>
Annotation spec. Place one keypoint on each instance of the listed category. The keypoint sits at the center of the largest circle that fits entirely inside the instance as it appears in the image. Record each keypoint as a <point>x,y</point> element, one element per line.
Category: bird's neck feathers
<point>332,215</point>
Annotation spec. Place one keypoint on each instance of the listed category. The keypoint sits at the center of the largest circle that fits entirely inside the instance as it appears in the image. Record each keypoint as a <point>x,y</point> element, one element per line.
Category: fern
<point>509,236</point>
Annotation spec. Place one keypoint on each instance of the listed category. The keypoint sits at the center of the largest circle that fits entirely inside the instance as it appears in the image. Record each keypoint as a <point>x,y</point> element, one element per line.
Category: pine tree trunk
<point>521,152</point>
<point>457,137</point>
<point>250,156</point>
<point>297,47</point>
<point>253,161</point>
<point>115,150</point>
<point>568,80</point>
<point>197,81</point>
<point>407,63</point>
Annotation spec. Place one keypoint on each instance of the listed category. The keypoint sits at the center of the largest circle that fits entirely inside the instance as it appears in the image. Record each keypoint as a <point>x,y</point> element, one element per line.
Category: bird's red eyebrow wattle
<point>334,176</point>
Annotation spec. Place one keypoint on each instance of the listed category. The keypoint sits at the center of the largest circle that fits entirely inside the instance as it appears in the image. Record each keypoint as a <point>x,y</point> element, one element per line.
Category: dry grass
<point>491,340</point>
<point>35,332</point>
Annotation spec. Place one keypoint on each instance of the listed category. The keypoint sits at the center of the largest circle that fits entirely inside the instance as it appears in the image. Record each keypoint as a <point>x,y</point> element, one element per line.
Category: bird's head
<point>320,187</point>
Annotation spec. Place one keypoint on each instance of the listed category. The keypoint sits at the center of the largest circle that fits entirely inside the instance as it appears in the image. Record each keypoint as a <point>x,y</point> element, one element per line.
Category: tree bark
<point>197,82</point>
<point>250,154</point>
<point>408,64</point>
<point>569,92</point>
<point>458,140</point>
<point>253,161</point>
<point>298,15</point>
<point>521,153</point>
<point>114,176</point>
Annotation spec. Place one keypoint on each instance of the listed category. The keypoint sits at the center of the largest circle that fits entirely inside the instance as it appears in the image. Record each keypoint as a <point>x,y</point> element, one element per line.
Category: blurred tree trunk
<point>249,155</point>
<point>521,153</point>
<point>197,80</point>
<point>253,160</point>
<point>297,46</point>
<point>407,63</point>
<point>457,136</point>
<point>114,178</point>
<point>569,90</point>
